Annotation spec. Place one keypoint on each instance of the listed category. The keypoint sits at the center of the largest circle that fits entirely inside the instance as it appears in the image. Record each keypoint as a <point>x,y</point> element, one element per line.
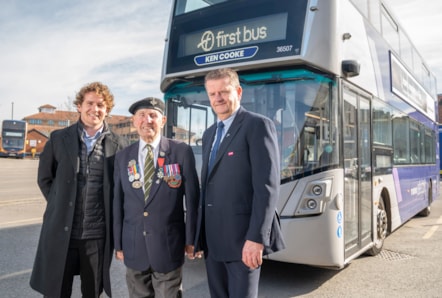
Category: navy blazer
<point>155,234</point>
<point>239,196</point>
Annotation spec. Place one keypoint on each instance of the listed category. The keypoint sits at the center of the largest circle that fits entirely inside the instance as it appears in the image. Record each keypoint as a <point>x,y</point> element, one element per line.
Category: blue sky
<point>50,48</point>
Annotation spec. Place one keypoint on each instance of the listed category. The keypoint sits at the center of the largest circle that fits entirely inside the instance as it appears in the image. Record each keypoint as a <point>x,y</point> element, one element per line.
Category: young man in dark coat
<point>75,175</point>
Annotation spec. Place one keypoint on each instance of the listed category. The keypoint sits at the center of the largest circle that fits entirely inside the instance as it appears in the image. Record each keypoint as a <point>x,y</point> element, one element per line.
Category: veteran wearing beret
<point>153,177</point>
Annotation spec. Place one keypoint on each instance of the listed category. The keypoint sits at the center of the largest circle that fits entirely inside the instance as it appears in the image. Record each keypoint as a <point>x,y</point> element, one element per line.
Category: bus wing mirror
<point>351,68</point>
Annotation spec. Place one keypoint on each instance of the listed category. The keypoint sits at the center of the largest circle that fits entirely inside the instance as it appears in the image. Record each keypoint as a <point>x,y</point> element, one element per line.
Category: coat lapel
<point>132,155</point>
<point>71,142</point>
<point>230,134</point>
<point>110,146</point>
<point>206,150</point>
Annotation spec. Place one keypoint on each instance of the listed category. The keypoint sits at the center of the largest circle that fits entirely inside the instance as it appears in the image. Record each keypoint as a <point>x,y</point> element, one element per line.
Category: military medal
<point>134,174</point>
<point>175,181</point>
<point>160,173</point>
<point>137,184</point>
<point>172,175</point>
<point>130,172</point>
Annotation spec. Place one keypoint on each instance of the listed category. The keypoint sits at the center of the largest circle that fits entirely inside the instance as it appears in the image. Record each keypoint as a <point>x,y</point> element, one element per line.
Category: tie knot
<point>220,125</point>
<point>149,151</point>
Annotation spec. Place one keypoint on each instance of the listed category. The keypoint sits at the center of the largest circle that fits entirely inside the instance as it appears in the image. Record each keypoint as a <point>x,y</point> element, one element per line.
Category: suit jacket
<point>57,176</point>
<point>154,234</point>
<point>239,195</point>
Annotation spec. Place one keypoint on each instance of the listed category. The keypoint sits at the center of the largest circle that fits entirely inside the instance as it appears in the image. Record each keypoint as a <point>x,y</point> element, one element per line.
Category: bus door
<point>187,123</point>
<point>357,169</point>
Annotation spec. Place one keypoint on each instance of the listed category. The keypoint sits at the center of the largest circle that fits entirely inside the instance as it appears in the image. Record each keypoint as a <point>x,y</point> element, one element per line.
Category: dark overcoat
<point>153,234</point>
<point>239,195</point>
<point>57,179</point>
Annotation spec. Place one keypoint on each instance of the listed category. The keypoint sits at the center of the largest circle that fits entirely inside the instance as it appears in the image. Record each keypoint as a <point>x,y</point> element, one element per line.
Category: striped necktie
<point>149,169</point>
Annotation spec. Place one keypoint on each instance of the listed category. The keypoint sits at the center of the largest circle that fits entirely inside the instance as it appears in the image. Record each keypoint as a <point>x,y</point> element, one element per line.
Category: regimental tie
<point>219,133</point>
<point>149,170</point>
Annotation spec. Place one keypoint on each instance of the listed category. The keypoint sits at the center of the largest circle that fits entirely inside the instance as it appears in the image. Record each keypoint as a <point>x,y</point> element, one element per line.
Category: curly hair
<point>100,89</point>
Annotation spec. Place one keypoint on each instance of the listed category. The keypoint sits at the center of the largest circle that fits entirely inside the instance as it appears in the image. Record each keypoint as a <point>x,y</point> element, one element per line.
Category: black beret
<point>147,103</point>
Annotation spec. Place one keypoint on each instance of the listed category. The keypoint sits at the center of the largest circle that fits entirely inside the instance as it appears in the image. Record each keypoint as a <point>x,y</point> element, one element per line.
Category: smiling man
<point>75,175</point>
<point>153,177</point>
<point>237,219</point>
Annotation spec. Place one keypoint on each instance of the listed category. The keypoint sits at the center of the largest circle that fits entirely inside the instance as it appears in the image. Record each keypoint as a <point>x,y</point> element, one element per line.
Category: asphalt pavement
<point>408,266</point>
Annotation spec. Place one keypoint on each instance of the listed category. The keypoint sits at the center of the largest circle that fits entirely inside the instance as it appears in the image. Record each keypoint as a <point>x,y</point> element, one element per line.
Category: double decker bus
<point>354,105</point>
<point>440,150</point>
<point>13,139</point>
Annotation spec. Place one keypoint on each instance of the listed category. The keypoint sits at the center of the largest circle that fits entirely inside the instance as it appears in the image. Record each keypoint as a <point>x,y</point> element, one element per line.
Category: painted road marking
<point>433,229</point>
<point>9,224</point>
<point>6,276</point>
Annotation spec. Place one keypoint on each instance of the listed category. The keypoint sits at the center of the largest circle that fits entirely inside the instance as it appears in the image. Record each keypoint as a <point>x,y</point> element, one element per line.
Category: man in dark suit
<point>151,230</point>
<point>237,222</point>
<point>75,175</point>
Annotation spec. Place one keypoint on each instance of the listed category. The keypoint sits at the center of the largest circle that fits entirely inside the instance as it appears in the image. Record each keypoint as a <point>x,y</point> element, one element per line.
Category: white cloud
<point>50,49</point>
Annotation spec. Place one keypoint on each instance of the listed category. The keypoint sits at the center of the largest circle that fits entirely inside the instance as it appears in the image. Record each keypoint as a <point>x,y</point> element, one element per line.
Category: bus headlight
<point>317,190</point>
<point>312,204</point>
<point>314,197</point>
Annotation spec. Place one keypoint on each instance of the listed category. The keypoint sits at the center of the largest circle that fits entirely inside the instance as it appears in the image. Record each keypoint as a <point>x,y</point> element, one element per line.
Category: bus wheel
<point>427,210</point>
<point>381,228</point>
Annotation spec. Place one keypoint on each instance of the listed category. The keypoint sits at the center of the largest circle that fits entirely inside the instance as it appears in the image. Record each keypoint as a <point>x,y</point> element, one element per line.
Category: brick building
<point>48,119</point>
<point>35,140</point>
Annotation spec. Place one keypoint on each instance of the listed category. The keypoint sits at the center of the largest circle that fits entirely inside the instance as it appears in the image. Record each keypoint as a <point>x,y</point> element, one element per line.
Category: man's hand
<point>191,254</point>
<point>252,254</point>
<point>119,255</point>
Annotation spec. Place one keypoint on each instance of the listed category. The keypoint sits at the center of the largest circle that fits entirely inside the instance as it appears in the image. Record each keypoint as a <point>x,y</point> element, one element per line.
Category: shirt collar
<point>154,144</point>
<point>227,122</point>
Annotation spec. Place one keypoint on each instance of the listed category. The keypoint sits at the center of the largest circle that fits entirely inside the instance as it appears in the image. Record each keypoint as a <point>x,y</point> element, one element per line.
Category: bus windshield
<point>13,143</point>
<point>301,104</point>
<point>185,6</point>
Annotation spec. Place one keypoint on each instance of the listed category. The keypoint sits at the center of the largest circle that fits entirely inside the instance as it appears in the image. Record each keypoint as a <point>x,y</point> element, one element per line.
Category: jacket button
<point>145,213</point>
<point>66,228</point>
<point>144,233</point>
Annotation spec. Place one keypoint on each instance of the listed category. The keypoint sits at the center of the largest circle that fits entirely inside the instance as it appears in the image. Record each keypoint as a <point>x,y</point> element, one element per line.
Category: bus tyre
<point>381,228</point>
<point>427,210</point>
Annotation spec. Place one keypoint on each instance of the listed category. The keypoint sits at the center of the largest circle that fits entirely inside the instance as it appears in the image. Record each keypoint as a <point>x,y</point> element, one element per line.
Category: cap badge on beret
<point>147,103</point>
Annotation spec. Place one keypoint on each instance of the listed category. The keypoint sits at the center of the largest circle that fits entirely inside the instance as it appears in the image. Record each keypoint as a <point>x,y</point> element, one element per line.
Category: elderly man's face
<point>149,123</point>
